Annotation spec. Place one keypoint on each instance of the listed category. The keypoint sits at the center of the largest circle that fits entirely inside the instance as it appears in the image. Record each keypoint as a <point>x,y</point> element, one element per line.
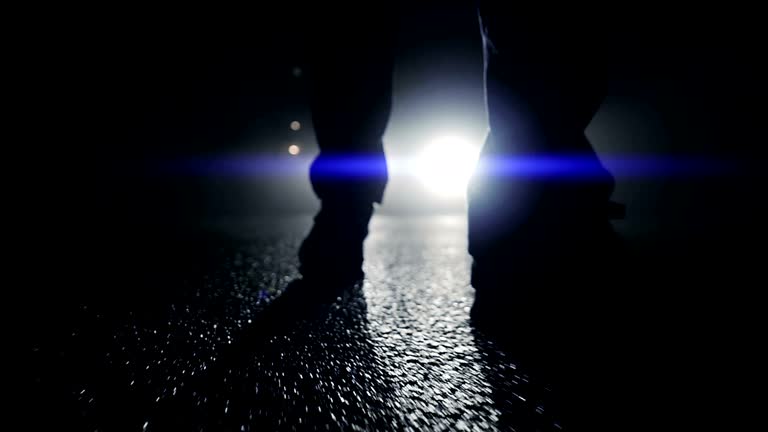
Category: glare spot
<point>293,149</point>
<point>297,72</point>
<point>295,125</point>
<point>446,165</point>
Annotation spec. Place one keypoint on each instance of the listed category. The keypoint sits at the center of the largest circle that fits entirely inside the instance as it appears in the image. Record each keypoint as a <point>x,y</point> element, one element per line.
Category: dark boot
<point>550,293</point>
<point>540,245</point>
<point>332,253</point>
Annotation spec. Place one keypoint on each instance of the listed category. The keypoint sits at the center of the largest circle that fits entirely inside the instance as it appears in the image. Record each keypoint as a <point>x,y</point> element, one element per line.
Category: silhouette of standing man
<point>545,77</point>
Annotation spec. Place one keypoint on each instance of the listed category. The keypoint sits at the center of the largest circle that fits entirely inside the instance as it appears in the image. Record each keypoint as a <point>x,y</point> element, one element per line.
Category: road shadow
<point>306,361</point>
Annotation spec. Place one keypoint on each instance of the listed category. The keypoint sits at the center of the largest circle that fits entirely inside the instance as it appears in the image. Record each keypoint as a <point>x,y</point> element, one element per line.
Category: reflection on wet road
<point>397,354</point>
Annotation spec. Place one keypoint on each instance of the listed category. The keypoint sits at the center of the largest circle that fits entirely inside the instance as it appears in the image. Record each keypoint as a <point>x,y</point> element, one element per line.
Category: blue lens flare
<point>356,166</point>
<point>349,167</point>
<point>585,167</point>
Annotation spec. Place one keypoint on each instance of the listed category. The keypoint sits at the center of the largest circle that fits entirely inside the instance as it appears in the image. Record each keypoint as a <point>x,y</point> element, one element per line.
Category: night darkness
<point>161,181</point>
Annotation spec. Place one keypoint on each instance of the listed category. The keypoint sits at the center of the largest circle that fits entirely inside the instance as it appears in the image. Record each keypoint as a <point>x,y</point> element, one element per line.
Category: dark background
<point>100,95</point>
<point>113,92</point>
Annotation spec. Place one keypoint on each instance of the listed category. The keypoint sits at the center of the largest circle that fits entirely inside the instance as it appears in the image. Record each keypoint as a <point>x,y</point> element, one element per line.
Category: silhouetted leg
<point>351,83</point>
<point>545,79</point>
<point>540,194</point>
<point>540,234</point>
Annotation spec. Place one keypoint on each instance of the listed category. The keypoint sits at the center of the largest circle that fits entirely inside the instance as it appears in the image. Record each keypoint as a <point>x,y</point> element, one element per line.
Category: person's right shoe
<point>332,253</point>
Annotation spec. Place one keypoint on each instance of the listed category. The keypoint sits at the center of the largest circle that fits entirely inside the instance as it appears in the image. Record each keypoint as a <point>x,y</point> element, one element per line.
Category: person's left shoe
<point>535,280</point>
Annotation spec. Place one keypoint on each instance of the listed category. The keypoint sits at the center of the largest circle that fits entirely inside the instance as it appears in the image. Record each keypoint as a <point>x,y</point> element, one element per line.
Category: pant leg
<point>545,78</point>
<point>539,241</point>
<point>350,71</point>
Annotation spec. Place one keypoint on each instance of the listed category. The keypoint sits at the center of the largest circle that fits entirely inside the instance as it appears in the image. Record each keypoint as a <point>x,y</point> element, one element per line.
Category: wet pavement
<point>397,353</point>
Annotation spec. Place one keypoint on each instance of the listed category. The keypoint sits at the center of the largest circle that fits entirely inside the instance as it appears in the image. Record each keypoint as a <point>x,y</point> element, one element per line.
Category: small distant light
<point>293,149</point>
<point>297,72</point>
<point>295,125</point>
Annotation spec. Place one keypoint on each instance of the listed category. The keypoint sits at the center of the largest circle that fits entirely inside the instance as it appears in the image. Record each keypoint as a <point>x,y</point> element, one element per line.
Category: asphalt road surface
<point>399,353</point>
